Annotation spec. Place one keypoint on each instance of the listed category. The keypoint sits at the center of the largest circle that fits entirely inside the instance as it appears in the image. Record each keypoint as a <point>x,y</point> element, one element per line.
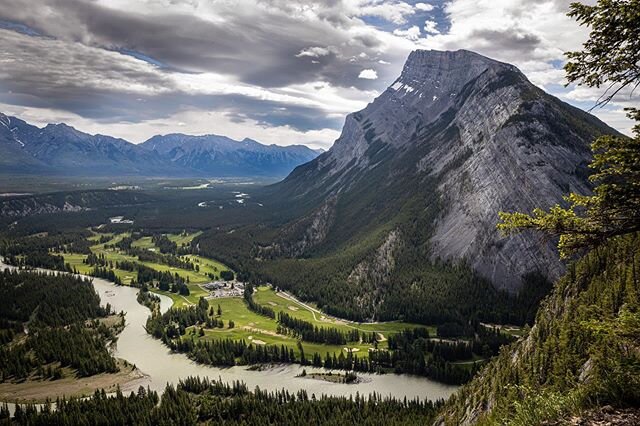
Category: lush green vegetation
<point>61,314</point>
<point>582,351</point>
<point>237,333</point>
<point>196,400</point>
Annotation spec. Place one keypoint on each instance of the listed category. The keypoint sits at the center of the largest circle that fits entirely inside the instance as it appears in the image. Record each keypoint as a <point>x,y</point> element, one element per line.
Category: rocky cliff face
<point>463,137</point>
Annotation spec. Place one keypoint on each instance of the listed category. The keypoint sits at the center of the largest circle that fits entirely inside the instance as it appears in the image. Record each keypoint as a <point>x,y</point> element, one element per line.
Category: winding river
<point>160,366</point>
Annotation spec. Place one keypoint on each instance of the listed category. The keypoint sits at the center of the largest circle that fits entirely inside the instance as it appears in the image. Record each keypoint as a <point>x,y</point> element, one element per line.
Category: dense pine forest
<point>196,400</point>
<point>582,352</point>
<point>62,315</point>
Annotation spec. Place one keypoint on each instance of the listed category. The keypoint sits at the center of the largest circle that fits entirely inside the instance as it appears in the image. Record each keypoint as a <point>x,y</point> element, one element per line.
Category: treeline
<point>174,322</point>
<point>36,251</point>
<point>165,259</point>
<point>255,307</point>
<point>196,400</point>
<point>164,244</point>
<point>76,347</point>
<point>56,309</point>
<point>48,299</point>
<point>308,332</point>
<point>146,276</point>
<point>64,242</point>
<point>148,299</point>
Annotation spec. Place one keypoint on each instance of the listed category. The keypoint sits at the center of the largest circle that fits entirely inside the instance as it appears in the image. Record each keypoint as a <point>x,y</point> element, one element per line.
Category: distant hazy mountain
<point>221,156</point>
<point>62,150</point>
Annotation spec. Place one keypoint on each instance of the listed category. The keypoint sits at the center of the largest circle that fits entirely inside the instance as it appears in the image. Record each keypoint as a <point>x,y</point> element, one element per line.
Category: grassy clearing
<point>206,266</point>
<point>252,327</point>
<point>181,239</point>
<point>282,302</point>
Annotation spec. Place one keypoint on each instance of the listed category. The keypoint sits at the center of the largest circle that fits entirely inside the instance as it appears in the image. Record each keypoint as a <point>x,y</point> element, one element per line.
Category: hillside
<point>76,201</point>
<point>59,149</point>
<point>582,352</point>
<point>403,206</point>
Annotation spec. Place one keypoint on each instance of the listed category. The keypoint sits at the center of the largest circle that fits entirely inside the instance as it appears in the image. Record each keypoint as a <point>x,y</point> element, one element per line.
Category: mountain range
<point>59,149</point>
<point>416,180</point>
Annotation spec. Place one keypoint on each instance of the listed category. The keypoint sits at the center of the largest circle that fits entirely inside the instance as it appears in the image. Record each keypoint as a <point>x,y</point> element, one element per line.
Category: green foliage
<point>614,209</point>
<point>534,407</point>
<point>610,56</point>
<point>201,401</point>
<point>584,345</point>
<point>56,310</point>
<point>612,52</point>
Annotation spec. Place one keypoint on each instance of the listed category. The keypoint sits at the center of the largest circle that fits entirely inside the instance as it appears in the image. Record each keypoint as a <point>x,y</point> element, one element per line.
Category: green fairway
<point>249,326</point>
<point>282,302</point>
<point>258,329</point>
<point>181,239</point>
<point>200,276</point>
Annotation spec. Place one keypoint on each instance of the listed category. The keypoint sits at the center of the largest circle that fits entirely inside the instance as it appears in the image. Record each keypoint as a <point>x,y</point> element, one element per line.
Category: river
<point>160,366</point>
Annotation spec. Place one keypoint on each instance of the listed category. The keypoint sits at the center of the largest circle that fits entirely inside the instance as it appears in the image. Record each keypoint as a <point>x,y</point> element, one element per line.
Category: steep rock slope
<point>455,139</point>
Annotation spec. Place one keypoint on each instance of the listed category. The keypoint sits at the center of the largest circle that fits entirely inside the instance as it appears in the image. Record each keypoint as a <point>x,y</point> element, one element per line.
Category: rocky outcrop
<point>376,270</point>
<point>303,234</point>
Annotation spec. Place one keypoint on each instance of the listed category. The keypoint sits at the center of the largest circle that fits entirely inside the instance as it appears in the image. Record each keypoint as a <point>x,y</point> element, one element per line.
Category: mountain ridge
<point>61,149</point>
<point>419,175</point>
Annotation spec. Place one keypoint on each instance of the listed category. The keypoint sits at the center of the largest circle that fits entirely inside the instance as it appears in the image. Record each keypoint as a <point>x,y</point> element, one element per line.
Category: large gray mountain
<point>61,149</point>
<point>427,165</point>
<point>222,156</point>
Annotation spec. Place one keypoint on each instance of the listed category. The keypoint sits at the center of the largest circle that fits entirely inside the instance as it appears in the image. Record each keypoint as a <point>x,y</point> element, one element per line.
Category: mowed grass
<point>282,302</point>
<point>144,243</point>
<point>206,266</point>
<point>75,260</point>
<point>181,239</point>
<point>250,327</point>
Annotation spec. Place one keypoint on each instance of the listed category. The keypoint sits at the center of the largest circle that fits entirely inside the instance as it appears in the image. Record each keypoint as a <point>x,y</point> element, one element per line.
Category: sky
<point>282,71</point>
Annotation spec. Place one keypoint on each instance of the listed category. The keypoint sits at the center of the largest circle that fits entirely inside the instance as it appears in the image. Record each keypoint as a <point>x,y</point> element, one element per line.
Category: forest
<point>195,400</point>
<point>62,314</point>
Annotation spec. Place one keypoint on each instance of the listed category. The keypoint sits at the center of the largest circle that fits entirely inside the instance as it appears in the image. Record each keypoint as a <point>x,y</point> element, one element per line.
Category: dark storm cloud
<point>108,87</point>
<point>232,46</point>
<point>512,39</point>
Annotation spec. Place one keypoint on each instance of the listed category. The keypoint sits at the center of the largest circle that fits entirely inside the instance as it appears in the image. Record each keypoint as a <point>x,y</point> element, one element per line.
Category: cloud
<point>314,52</point>
<point>129,66</point>
<point>412,33</point>
<point>368,74</point>
<point>431,27</point>
<point>392,11</point>
<point>425,7</point>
